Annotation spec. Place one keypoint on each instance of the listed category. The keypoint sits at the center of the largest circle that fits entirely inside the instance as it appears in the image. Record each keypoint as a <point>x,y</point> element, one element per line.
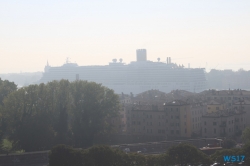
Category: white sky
<point>204,33</point>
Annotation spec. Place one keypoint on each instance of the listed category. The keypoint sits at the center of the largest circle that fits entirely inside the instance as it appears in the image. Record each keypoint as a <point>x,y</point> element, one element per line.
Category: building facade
<point>222,123</point>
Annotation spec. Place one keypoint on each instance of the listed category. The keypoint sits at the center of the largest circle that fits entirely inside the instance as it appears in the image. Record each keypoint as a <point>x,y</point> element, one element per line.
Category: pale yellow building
<point>214,106</point>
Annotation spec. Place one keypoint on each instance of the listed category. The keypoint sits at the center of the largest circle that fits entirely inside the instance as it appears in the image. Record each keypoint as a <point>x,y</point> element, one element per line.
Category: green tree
<point>228,143</point>
<point>93,105</point>
<point>246,152</point>
<point>28,118</point>
<point>105,156</point>
<point>6,88</point>
<point>158,160</point>
<point>246,134</point>
<point>39,116</point>
<point>63,155</point>
<point>186,154</point>
<point>218,155</point>
<point>6,146</point>
<point>61,97</point>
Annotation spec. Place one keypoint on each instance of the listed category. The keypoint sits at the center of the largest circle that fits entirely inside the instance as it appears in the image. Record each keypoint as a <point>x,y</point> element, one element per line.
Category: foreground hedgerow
<point>63,155</point>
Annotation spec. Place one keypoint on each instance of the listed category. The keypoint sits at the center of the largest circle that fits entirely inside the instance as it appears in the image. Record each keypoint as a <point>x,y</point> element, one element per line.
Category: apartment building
<point>178,118</point>
<point>175,119</point>
<point>197,110</point>
<point>214,106</point>
<point>147,120</point>
<point>228,97</point>
<point>243,105</point>
<point>222,123</point>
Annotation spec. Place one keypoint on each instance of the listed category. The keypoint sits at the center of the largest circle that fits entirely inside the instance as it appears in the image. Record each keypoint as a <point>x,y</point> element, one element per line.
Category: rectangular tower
<point>141,55</point>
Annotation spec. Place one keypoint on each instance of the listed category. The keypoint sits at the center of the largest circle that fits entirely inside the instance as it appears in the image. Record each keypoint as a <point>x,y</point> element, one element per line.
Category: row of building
<point>184,115</point>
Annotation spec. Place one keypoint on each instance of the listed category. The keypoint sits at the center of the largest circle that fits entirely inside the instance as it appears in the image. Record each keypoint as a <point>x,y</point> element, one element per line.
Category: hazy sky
<point>204,33</point>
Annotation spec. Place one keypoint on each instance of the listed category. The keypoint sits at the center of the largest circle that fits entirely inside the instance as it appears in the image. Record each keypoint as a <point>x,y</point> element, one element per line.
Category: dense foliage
<point>187,154</point>
<point>105,156</point>
<point>60,112</point>
<point>228,143</point>
<point>246,135</point>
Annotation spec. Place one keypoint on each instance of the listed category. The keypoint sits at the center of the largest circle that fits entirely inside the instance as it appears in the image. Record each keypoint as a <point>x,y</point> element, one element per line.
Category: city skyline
<point>206,34</point>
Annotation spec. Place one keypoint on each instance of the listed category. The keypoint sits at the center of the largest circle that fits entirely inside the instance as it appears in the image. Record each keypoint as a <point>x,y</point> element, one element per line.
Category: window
<point>205,130</point>
<point>214,131</point>
<point>185,130</point>
<point>214,123</point>
<point>177,131</point>
<point>172,131</point>
<point>205,123</point>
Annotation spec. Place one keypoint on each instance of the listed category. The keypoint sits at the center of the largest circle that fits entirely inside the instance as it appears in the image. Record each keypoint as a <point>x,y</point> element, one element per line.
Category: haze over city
<point>207,34</point>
